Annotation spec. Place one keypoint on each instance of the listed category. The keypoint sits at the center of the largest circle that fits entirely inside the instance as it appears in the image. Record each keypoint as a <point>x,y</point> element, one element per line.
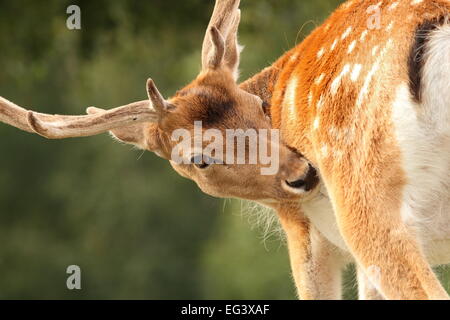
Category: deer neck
<point>262,83</point>
<point>271,85</point>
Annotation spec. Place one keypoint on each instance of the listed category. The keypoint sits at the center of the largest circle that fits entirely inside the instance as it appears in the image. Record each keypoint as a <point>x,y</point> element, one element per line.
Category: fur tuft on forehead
<point>210,99</point>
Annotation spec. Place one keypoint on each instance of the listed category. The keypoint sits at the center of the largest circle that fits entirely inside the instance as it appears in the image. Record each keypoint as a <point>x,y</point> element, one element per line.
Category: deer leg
<point>368,211</point>
<point>366,290</point>
<point>315,262</point>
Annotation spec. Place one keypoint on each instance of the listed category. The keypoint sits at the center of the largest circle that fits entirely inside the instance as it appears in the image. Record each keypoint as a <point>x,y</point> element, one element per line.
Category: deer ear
<point>144,136</point>
<point>134,134</point>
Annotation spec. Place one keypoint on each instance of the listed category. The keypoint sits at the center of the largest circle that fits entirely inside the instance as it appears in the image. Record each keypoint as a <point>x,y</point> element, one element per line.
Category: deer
<point>364,149</point>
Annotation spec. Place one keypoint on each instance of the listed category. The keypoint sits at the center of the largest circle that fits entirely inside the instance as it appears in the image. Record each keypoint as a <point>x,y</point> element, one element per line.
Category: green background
<point>136,228</point>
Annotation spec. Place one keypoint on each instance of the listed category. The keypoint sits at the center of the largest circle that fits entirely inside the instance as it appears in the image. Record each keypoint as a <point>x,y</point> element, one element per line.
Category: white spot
<point>347,4</point>
<point>390,25</point>
<point>290,96</point>
<point>373,70</point>
<point>334,44</point>
<point>320,53</point>
<point>374,50</point>
<point>415,2</point>
<point>393,6</point>
<point>324,151</point>
<point>337,81</point>
<point>319,79</point>
<point>316,123</point>
<point>334,132</point>
<point>294,57</point>
<point>388,44</point>
<point>363,35</point>
<point>351,46</point>
<point>338,154</point>
<point>367,81</point>
<point>355,72</point>
<point>320,102</point>
<point>310,97</point>
<point>346,33</point>
<point>348,135</point>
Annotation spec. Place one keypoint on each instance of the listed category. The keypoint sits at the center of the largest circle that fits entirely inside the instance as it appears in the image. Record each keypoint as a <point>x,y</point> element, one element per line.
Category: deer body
<point>343,99</point>
<point>364,116</point>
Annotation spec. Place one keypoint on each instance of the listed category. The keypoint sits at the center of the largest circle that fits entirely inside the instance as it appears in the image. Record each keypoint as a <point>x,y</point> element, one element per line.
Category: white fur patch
<point>351,46</point>
<point>374,50</point>
<point>320,53</point>
<point>319,79</point>
<point>290,97</point>
<point>310,98</point>
<point>333,45</point>
<point>355,72</point>
<point>316,123</point>
<point>393,6</point>
<point>337,81</point>
<point>426,162</point>
<point>436,80</point>
<point>366,84</point>
<point>363,35</point>
<point>346,33</point>
<point>390,26</point>
<point>423,133</point>
<point>324,151</point>
<point>320,102</point>
<point>334,132</point>
<point>365,88</point>
<point>320,212</point>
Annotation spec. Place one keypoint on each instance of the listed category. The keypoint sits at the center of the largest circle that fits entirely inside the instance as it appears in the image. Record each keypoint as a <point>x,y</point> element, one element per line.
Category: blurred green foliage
<point>136,228</point>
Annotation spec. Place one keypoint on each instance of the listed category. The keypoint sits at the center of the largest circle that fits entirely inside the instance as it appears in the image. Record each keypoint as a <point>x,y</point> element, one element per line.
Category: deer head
<point>215,99</point>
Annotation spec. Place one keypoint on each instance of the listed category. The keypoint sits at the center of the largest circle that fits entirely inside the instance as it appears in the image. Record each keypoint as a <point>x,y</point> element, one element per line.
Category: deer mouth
<point>305,183</point>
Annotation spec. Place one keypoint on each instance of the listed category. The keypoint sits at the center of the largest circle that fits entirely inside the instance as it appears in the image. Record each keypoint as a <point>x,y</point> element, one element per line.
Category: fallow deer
<point>364,116</point>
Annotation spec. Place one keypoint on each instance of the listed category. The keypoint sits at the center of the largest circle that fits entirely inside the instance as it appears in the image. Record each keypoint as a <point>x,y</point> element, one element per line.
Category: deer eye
<point>200,162</point>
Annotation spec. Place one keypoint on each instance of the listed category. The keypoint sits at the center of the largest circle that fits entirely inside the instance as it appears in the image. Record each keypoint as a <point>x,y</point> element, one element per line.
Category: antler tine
<point>157,100</point>
<point>233,49</point>
<point>222,18</point>
<point>218,50</point>
<point>60,127</point>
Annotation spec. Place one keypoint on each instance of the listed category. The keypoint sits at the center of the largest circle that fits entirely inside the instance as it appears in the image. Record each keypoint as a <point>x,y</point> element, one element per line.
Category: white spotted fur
<point>423,134</point>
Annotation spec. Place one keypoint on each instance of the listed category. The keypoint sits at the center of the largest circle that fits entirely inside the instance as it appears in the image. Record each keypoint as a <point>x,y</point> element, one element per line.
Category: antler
<point>223,17</point>
<point>220,40</point>
<point>59,127</point>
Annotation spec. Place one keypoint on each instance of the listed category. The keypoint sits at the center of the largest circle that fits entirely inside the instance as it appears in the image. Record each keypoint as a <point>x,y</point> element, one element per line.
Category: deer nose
<point>307,182</point>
